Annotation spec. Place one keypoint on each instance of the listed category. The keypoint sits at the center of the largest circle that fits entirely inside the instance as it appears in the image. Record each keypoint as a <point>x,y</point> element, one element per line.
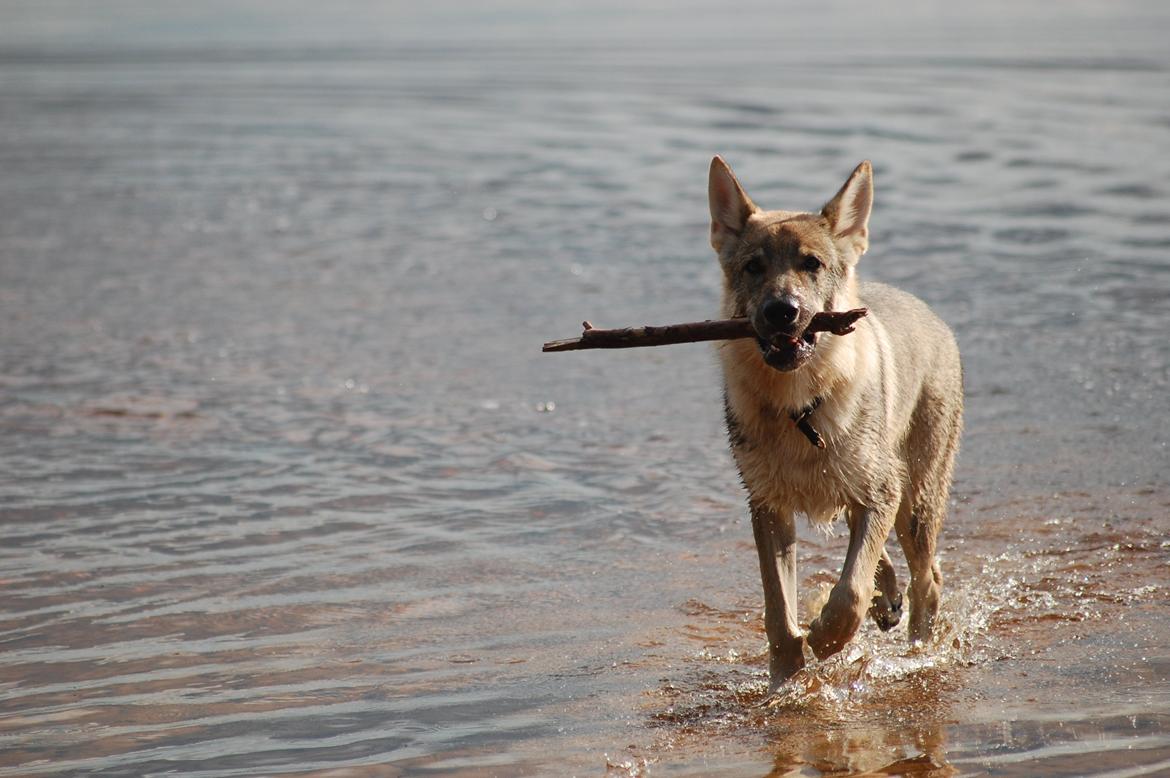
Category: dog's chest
<point>782,468</point>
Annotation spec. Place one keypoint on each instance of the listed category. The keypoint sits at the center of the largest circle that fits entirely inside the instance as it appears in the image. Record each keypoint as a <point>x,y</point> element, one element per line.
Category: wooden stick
<point>836,322</point>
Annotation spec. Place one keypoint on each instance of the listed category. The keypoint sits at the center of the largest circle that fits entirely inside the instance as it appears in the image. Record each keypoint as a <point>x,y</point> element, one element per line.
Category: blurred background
<point>287,487</point>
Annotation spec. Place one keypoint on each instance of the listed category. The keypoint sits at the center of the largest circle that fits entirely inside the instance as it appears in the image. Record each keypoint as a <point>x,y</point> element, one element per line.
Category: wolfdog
<point>866,424</point>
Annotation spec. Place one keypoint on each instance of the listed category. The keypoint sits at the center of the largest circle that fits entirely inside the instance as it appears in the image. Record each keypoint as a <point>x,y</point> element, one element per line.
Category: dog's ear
<point>730,205</point>
<point>848,211</point>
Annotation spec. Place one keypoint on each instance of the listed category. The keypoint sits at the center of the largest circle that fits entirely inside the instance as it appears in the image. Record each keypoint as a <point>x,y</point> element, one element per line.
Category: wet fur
<point>890,413</point>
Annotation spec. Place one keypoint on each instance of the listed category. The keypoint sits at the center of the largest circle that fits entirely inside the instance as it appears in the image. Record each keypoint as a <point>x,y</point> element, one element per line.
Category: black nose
<point>781,311</point>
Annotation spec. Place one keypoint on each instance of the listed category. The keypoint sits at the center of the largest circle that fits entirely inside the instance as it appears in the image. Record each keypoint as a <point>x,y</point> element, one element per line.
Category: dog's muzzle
<point>780,325</point>
<point>787,352</point>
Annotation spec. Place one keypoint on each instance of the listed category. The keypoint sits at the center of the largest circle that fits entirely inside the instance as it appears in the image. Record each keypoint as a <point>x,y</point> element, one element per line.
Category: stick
<point>836,322</point>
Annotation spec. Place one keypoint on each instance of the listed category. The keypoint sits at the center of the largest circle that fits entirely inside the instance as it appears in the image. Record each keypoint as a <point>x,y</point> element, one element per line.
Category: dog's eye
<point>811,264</point>
<point>754,266</point>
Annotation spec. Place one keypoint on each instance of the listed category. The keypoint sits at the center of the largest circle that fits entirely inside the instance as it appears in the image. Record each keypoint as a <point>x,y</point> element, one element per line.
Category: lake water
<point>287,487</point>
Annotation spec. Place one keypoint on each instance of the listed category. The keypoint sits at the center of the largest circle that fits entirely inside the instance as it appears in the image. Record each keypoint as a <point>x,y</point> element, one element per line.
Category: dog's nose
<point>781,311</point>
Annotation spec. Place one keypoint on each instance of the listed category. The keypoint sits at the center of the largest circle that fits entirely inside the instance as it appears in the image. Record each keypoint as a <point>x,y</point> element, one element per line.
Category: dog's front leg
<point>776,545</point>
<point>842,614</point>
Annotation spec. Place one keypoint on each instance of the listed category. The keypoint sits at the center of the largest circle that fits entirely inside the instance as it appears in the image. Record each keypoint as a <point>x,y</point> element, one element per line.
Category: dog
<point>865,424</point>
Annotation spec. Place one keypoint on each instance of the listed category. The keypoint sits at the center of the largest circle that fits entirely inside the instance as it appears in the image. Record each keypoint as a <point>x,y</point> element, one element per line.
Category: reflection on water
<point>286,486</point>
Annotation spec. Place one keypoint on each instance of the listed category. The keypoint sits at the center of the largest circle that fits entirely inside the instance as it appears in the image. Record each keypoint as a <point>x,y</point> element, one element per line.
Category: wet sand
<point>287,488</point>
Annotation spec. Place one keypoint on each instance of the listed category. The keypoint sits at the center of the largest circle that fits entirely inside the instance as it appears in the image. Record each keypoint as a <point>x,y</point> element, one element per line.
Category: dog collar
<point>800,419</point>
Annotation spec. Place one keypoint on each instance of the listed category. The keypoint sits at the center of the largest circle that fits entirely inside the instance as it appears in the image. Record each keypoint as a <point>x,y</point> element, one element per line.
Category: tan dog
<point>867,423</point>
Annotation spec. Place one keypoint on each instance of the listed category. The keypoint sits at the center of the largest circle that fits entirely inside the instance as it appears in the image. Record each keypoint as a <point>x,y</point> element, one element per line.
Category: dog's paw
<point>886,612</point>
<point>783,666</point>
<point>838,622</point>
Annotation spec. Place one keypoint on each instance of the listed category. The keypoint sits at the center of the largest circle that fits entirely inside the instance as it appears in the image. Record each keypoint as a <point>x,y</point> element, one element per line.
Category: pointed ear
<point>848,211</point>
<point>730,205</point>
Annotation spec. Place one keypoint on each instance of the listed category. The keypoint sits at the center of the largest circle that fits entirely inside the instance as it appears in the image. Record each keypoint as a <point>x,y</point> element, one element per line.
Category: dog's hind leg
<point>886,607</point>
<point>936,438</point>
<point>776,545</point>
<point>917,535</point>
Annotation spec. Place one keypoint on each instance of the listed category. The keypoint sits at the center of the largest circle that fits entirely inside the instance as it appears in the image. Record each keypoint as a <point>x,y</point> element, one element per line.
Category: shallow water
<point>286,486</point>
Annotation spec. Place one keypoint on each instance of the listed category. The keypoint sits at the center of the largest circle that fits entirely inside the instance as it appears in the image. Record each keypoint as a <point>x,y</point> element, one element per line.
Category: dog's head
<point>782,267</point>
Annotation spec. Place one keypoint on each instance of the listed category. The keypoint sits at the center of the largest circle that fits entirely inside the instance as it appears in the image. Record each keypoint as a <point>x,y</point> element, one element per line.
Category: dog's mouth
<point>787,352</point>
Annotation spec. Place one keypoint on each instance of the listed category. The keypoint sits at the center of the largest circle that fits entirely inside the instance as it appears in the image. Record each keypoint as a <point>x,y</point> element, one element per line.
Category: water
<point>286,486</point>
